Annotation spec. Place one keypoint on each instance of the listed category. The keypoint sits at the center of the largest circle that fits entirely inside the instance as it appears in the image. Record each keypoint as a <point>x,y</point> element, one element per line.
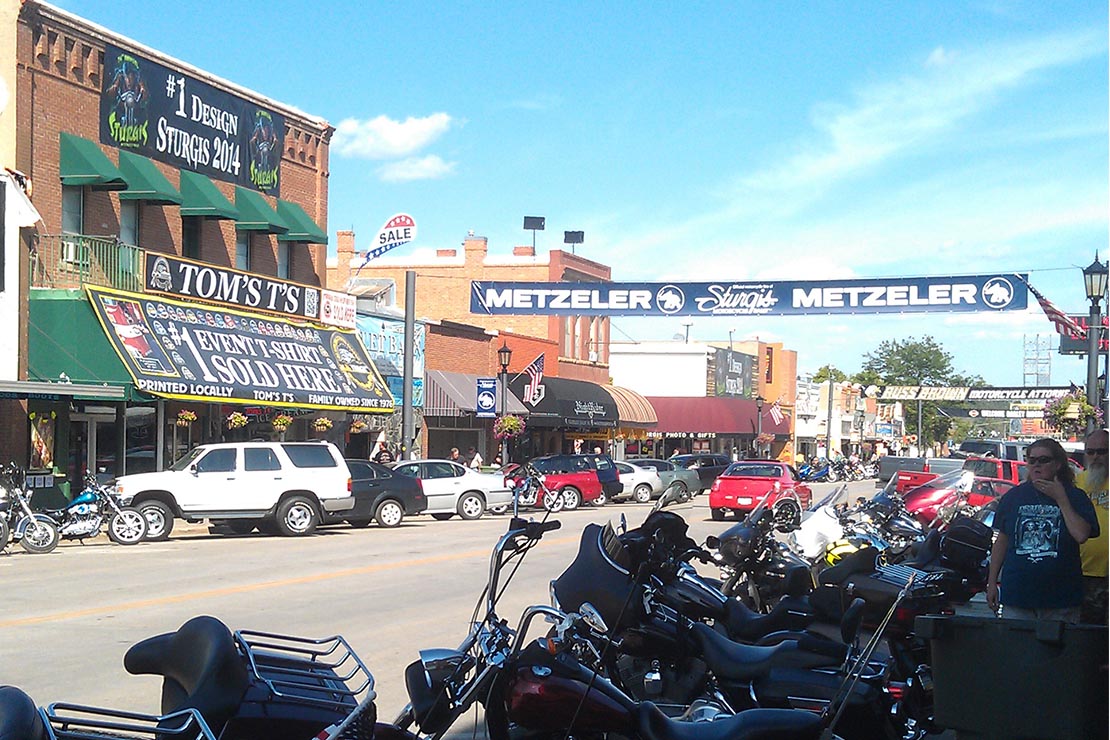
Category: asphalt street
<point>67,618</point>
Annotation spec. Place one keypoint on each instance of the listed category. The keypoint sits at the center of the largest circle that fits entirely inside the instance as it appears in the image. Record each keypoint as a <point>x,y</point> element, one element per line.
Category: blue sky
<point>707,141</point>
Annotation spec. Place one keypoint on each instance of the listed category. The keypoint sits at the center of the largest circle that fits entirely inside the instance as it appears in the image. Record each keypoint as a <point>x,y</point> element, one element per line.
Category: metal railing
<point>76,260</point>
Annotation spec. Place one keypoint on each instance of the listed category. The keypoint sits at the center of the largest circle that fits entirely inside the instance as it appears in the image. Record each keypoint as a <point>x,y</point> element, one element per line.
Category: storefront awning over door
<point>56,391</point>
<point>455,394</point>
<point>568,403</point>
<point>633,410</point>
<point>721,415</point>
<point>82,163</point>
<point>191,351</point>
<point>65,343</point>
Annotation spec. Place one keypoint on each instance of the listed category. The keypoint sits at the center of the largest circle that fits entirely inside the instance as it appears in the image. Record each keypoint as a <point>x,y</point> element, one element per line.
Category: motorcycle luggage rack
<point>899,575</point>
<point>77,722</point>
<point>322,672</point>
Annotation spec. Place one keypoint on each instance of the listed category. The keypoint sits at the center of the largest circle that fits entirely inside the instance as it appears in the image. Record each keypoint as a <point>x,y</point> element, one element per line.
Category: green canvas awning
<point>255,213</point>
<point>66,342</point>
<point>301,226</point>
<point>201,197</point>
<point>82,163</point>
<point>145,182</point>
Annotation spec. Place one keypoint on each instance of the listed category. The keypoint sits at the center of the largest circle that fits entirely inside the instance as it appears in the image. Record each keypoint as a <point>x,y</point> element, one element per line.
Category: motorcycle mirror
<point>623,524</point>
<point>592,617</point>
<point>668,497</point>
<point>713,543</point>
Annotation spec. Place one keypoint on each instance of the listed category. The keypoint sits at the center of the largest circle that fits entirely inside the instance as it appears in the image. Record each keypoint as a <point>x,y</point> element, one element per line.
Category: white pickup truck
<point>281,487</point>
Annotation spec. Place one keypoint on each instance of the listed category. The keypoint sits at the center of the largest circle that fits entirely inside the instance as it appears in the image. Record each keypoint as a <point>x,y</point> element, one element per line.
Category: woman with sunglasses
<point>1035,570</point>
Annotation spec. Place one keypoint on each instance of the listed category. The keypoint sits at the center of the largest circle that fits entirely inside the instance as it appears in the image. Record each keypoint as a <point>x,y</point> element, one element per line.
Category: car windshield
<point>753,470</point>
<point>188,459</point>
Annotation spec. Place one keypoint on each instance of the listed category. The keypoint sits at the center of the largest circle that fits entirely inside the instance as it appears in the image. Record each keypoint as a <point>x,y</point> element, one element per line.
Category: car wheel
<point>553,501</point>
<point>389,513</point>
<point>296,516</point>
<point>241,526</point>
<point>442,516</point>
<point>642,494</point>
<point>718,515</point>
<point>601,500</point>
<point>572,498</point>
<point>159,520</point>
<point>128,527</point>
<point>471,506</point>
<point>503,508</point>
<point>359,523</point>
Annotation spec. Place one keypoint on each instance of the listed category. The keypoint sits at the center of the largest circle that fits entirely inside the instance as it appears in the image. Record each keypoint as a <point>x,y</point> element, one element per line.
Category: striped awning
<point>456,394</point>
<point>633,410</point>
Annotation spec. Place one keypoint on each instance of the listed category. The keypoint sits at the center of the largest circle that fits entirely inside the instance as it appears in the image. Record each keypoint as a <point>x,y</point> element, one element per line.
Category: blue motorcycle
<point>817,470</point>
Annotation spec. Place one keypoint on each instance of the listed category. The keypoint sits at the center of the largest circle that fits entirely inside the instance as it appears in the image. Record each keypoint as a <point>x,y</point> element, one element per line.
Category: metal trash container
<point>1014,679</point>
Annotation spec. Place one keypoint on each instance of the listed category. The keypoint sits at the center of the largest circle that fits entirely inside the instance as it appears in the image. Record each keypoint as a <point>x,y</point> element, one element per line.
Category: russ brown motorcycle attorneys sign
<point>189,351</point>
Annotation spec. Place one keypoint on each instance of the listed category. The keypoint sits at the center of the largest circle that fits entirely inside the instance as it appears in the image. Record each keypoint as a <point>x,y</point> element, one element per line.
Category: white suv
<point>283,487</point>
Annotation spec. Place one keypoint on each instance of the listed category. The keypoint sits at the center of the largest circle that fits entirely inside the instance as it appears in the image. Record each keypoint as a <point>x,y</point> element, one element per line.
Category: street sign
<point>486,404</point>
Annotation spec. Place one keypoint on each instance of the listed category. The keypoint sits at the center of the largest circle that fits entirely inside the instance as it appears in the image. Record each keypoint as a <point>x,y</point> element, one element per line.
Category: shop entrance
<point>92,444</point>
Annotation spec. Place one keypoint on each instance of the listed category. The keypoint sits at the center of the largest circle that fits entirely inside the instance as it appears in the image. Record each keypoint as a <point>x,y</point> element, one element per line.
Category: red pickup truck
<point>1012,471</point>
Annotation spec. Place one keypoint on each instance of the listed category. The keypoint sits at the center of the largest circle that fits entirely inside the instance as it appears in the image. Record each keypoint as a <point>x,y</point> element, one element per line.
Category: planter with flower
<point>508,426</point>
<point>764,439</point>
<point>358,426</point>
<point>236,420</point>
<point>281,422</point>
<point>1070,413</point>
<point>185,417</point>
<point>321,424</point>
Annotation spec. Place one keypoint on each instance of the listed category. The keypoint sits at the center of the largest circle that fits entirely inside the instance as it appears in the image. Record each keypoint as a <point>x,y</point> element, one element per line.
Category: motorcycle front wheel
<point>4,533</point>
<point>40,536</point>
<point>127,526</point>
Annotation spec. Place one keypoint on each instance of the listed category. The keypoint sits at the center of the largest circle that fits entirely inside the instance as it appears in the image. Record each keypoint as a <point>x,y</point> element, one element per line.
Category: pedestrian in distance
<point>473,458</point>
<point>1094,552</point>
<point>383,456</point>
<point>1035,571</point>
<point>455,455</point>
<point>497,462</point>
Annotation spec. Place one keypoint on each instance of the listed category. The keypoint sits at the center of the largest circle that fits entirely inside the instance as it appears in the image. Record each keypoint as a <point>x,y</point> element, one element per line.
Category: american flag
<point>535,375</point>
<point>1065,324</point>
<point>776,413</point>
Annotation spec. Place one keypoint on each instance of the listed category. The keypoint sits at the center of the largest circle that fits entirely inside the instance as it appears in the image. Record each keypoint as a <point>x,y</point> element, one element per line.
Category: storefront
<point>635,419</point>
<point>565,416</point>
<point>729,426</point>
<point>451,415</point>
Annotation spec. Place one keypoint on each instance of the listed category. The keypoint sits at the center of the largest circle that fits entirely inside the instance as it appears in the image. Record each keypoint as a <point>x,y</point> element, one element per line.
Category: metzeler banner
<point>190,351</point>
<point>763,298</point>
<point>963,393</point>
<point>166,115</point>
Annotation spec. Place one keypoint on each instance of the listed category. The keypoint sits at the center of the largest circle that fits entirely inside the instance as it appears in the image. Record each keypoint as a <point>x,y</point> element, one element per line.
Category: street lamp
<point>759,426</point>
<point>860,417</point>
<point>504,355</point>
<point>1094,282</point>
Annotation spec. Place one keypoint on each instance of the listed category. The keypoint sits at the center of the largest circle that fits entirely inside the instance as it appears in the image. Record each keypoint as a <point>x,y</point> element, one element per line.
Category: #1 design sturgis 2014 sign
<point>763,298</point>
<point>192,351</point>
<point>166,115</point>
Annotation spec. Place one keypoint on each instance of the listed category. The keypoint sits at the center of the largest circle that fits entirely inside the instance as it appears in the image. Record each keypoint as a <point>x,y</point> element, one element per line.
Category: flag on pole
<point>776,413</point>
<point>534,371</point>
<point>1065,324</point>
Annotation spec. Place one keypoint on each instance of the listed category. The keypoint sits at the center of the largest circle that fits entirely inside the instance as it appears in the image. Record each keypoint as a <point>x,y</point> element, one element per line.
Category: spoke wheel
<point>471,506</point>
<point>297,516</point>
<point>127,527</point>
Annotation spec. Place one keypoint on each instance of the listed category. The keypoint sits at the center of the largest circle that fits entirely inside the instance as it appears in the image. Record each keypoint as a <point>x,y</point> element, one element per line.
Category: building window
<point>243,250</point>
<point>283,260</point>
<point>190,237</point>
<point>73,209</point>
<point>129,222</point>
<point>568,335</point>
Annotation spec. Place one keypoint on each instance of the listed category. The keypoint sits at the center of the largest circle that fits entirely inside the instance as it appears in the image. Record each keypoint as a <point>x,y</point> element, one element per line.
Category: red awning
<point>721,415</point>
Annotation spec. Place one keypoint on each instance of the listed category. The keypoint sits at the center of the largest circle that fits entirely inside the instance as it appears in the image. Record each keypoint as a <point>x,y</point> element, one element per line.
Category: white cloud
<point>386,138</point>
<point>431,167</point>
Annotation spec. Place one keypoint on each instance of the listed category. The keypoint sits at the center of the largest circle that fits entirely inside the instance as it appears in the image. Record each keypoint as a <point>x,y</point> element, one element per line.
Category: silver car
<point>641,484</point>
<point>453,489</point>
<point>687,482</point>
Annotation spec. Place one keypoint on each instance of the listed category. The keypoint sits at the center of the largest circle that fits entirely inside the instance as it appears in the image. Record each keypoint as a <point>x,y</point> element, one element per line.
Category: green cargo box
<point>1011,679</point>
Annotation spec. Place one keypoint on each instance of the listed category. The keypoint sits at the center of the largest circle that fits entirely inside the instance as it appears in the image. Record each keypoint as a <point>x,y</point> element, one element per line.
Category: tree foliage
<point>823,373</point>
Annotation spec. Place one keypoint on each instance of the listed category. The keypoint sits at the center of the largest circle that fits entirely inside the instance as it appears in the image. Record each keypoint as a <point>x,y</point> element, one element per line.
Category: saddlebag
<point>965,544</point>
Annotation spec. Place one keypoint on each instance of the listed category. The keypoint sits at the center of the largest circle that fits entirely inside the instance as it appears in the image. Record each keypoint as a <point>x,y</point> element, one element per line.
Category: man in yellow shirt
<point>1094,552</point>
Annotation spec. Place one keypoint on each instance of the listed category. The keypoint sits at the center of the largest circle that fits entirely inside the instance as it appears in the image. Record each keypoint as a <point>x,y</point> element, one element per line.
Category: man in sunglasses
<point>1094,551</point>
<point>1035,571</point>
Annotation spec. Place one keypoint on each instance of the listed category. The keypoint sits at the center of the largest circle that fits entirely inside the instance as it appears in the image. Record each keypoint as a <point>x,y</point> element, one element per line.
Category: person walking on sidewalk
<point>1094,552</point>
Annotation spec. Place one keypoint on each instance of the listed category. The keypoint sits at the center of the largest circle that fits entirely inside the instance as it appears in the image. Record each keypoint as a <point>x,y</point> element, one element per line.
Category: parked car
<point>451,488</point>
<point>745,483</point>
<point>707,465</point>
<point>640,484</point>
<point>575,487</point>
<point>602,465</point>
<point>685,479</point>
<point>283,487</point>
<point>382,495</point>
<point>924,501</point>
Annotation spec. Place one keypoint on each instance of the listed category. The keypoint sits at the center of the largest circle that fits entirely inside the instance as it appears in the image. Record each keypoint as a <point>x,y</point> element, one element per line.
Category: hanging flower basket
<point>281,422</point>
<point>236,420</point>
<point>1070,413</point>
<point>358,426</point>
<point>508,426</point>
<point>321,423</point>
<point>765,439</point>
<point>185,417</point>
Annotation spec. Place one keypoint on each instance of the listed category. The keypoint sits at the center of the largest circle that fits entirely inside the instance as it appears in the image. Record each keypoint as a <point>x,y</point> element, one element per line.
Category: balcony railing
<point>73,261</point>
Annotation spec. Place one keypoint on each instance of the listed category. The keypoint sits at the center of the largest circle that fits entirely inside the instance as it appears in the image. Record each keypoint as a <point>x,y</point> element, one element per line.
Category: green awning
<point>65,342</point>
<point>255,213</point>
<point>82,163</point>
<point>201,197</point>
<point>146,182</point>
<point>301,226</point>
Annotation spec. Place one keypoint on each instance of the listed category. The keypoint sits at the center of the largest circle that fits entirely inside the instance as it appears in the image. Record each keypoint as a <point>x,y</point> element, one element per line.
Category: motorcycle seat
<point>201,669</point>
<point>734,661</point>
<point>753,724</point>
<point>19,718</point>
<point>791,613</point>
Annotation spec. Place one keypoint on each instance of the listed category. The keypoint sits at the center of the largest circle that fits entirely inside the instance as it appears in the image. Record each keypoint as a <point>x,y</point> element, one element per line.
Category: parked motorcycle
<point>36,532</point>
<point>95,507</point>
<point>817,470</point>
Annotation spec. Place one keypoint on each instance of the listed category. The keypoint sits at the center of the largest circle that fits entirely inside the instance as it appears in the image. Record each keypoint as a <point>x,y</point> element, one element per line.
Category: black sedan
<point>382,495</point>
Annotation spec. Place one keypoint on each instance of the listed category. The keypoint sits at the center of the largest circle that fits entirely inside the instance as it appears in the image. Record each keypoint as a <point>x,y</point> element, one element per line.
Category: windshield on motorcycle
<point>833,500</point>
<point>954,482</point>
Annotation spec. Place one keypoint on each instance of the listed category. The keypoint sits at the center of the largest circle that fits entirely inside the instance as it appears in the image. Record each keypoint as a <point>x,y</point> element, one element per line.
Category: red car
<point>744,484</point>
<point>924,501</point>
<point>577,487</point>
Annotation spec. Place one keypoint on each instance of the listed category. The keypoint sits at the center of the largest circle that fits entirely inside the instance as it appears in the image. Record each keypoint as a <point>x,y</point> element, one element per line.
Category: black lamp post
<point>504,355</point>
<point>1094,282</point>
<point>759,426</point>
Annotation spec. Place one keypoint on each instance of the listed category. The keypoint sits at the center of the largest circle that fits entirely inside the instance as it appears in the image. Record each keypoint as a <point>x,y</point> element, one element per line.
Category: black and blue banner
<point>167,115</point>
<point>762,298</point>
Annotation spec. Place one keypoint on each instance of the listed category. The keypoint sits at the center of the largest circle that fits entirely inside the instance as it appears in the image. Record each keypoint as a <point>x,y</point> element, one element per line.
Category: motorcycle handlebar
<point>534,530</point>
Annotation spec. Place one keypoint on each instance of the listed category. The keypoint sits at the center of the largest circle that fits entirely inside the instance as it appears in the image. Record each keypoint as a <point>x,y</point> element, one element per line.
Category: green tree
<point>823,372</point>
